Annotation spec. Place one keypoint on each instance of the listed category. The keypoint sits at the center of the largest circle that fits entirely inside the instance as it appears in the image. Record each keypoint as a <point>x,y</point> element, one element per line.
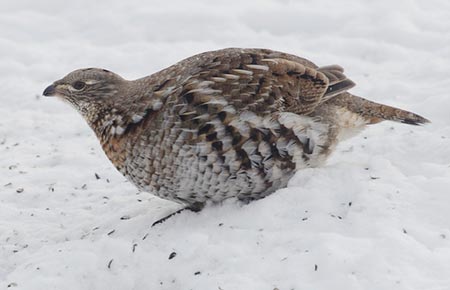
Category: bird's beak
<point>49,91</point>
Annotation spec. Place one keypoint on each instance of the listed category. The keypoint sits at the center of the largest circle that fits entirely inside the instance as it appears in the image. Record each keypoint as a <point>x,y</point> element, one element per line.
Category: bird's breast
<point>115,150</point>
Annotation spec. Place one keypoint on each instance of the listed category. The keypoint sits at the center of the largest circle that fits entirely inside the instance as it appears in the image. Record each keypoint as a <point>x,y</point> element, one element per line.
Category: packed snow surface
<point>377,216</point>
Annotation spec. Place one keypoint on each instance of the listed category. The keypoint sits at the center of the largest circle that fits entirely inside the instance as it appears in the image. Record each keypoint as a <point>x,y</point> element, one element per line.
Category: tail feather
<point>385,112</point>
<point>336,93</point>
<point>375,112</point>
<point>411,118</point>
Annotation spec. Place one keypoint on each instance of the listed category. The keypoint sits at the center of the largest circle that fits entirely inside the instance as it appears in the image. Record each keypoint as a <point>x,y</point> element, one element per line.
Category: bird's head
<point>84,87</point>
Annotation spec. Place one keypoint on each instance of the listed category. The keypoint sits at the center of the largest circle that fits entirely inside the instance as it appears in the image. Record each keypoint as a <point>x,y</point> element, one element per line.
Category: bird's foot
<point>195,207</point>
<point>161,220</point>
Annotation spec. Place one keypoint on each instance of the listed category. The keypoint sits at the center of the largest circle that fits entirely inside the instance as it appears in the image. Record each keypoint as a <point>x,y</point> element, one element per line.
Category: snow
<point>375,217</point>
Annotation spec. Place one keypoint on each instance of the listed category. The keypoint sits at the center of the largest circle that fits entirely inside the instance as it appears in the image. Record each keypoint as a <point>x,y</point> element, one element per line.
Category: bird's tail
<point>375,112</point>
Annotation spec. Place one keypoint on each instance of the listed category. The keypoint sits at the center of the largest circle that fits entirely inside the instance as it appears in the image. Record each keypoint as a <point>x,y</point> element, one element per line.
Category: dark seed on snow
<point>172,255</point>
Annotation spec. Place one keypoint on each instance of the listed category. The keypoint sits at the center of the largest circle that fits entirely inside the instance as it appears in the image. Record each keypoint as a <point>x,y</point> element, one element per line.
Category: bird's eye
<point>78,85</point>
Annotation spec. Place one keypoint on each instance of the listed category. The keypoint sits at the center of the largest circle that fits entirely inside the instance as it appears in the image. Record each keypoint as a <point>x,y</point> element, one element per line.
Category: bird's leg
<point>195,207</point>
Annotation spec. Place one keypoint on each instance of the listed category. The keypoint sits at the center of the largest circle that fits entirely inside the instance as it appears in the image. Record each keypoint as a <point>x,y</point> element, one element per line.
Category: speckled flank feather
<point>227,123</point>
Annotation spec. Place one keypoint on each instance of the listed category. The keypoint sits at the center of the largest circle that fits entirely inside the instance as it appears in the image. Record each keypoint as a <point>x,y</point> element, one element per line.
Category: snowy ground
<point>376,217</point>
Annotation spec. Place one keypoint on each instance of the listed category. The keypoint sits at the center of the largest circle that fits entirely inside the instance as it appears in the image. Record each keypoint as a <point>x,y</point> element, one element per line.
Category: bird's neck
<point>116,124</point>
<point>110,126</point>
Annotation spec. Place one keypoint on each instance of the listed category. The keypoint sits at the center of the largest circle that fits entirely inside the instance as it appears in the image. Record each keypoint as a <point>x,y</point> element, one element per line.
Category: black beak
<point>49,91</point>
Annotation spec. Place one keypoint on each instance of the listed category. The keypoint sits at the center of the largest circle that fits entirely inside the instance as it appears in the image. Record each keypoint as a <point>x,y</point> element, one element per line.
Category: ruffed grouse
<point>227,123</point>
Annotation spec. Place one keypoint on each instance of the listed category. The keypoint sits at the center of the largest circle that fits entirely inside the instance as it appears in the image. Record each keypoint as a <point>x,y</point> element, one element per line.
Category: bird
<point>231,123</point>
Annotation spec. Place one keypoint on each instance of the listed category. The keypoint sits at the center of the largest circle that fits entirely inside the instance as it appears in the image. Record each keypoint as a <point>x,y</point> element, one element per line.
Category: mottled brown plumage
<point>221,124</point>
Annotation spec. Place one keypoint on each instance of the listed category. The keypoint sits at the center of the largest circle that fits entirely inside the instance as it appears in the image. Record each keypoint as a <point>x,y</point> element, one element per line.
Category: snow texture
<point>377,216</point>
